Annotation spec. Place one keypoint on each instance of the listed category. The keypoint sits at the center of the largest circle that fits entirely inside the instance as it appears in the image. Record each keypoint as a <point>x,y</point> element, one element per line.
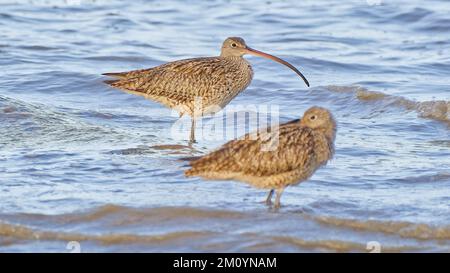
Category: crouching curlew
<point>302,146</point>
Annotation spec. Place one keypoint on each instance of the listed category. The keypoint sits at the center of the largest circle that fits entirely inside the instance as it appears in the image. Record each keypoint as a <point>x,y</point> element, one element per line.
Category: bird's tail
<point>188,160</point>
<point>111,82</point>
<point>191,172</point>
<point>191,160</point>
<point>117,75</point>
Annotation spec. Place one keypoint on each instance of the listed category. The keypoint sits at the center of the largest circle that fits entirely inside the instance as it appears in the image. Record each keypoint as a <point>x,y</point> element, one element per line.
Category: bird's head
<point>236,47</point>
<point>321,119</point>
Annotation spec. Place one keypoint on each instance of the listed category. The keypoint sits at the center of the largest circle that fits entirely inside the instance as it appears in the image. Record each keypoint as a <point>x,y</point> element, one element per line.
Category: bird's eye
<point>233,45</point>
<point>312,117</point>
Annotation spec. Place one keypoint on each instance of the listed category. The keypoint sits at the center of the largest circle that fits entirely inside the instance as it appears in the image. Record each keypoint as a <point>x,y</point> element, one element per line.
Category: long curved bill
<point>255,52</point>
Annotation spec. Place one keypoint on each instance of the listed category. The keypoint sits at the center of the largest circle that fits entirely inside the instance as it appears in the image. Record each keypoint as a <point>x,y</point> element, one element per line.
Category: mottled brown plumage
<point>299,148</point>
<point>195,86</point>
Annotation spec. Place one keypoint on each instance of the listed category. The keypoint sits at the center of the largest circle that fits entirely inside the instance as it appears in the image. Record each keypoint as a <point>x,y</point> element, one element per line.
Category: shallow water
<point>83,162</point>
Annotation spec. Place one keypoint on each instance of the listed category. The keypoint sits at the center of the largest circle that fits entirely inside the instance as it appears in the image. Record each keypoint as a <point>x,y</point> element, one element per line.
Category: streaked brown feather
<point>300,151</point>
<point>216,80</point>
<point>247,155</point>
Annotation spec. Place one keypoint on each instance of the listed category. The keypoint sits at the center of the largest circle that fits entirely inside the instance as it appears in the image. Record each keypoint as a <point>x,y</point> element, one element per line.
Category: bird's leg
<point>269,198</point>
<point>192,138</point>
<point>277,199</point>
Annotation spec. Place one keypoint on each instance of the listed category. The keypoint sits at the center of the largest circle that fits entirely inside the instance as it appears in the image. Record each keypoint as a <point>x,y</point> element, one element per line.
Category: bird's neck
<point>324,146</point>
<point>325,142</point>
<point>330,133</point>
<point>330,130</point>
<point>231,57</point>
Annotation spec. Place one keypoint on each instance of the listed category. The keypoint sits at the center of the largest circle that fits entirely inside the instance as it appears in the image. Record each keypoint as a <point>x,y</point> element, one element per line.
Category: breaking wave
<point>419,231</point>
<point>437,109</point>
<point>26,227</point>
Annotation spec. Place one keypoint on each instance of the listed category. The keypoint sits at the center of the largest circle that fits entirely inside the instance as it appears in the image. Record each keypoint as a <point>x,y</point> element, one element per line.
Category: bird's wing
<point>178,81</point>
<point>295,149</point>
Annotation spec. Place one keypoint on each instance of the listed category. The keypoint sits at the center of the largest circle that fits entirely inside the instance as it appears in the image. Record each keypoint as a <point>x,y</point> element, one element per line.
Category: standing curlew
<point>196,86</point>
<point>303,146</point>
